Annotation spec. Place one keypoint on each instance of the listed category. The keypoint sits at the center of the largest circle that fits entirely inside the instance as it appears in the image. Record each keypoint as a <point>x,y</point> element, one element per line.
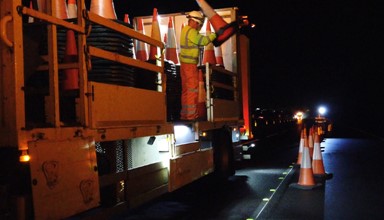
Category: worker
<point>191,42</point>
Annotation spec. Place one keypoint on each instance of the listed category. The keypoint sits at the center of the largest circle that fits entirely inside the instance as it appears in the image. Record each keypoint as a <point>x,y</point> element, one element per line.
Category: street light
<point>322,110</point>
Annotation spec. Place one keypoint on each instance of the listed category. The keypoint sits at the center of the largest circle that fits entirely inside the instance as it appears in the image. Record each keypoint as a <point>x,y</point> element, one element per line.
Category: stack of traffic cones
<point>209,52</point>
<point>219,56</point>
<point>154,52</point>
<point>141,47</point>
<point>126,20</point>
<point>103,8</point>
<point>306,177</point>
<point>71,76</point>
<point>170,52</point>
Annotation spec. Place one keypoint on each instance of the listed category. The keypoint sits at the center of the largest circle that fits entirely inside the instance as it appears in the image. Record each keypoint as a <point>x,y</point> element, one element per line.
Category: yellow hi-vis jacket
<point>190,41</point>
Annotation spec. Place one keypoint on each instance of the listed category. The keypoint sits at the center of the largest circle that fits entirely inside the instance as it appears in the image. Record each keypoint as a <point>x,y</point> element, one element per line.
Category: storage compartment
<point>119,106</point>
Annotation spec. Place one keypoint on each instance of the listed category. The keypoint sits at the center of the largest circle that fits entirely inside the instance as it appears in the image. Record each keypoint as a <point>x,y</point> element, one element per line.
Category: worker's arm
<point>195,37</point>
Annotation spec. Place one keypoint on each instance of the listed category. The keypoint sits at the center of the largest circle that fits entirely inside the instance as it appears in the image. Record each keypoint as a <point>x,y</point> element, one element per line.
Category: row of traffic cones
<point>310,160</point>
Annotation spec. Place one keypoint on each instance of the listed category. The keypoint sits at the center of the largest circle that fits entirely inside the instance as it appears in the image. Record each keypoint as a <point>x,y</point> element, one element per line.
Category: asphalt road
<point>239,197</point>
<point>261,187</point>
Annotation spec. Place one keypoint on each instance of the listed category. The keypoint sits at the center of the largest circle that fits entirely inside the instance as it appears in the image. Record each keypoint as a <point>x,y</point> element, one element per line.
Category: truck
<point>87,128</point>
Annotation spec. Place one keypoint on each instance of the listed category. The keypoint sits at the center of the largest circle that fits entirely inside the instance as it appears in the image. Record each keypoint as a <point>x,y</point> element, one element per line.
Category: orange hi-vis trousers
<point>189,91</point>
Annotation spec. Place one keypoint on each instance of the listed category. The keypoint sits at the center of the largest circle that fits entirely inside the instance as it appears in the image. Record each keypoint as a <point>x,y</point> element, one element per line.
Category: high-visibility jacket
<point>190,41</point>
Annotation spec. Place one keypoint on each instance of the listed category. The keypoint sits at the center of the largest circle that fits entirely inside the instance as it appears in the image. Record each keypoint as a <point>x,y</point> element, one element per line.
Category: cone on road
<point>223,30</point>
<point>306,177</point>
<point>72,9</point>
<point>171,52</point>
<point>317,162</point>
<point>155,34</point>
<point>103,8</point>
<point>310,141</point>
<point>141,47</point>
<point>209,52</point>
<point>301,147</point>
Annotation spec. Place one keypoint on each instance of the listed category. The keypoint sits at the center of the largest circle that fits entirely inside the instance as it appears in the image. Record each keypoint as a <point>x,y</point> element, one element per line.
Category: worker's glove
<point>212,36</point>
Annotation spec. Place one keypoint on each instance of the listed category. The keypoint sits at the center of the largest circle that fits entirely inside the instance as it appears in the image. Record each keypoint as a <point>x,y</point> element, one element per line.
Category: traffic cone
<point>72,9</point>
<point>126,20</point>
<point>103,8</point>
<point>219,56</point>
<point>30,18</point>
<point>201,107</point>
<point>317,162</point>
<point>223,30</point>
<point>71,76</point>
<point>209,52</point>
<point>310,141</point>
<point>42,6</point>
<point>306,178</point>
<point>170,52</point>
<point>155,34</point>
<point>141,47</point>
<point>301,147</point>
<point>61,10</point>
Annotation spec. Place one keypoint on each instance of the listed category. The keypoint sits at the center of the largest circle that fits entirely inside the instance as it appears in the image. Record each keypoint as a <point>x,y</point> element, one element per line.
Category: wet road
<point>260,189</point>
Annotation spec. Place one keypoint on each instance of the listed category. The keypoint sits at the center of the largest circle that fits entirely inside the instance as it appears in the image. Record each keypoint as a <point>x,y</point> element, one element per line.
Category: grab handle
<point>3,26</point>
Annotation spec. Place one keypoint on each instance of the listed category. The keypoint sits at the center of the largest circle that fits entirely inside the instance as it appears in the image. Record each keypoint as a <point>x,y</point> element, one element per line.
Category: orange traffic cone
<point>317,162</point>
<point>30,18</point>
<point>71,76</point>
<point>310,141</point>
<point>61,10</point>
<point>155,34</point>
<point>42,6</point>
<point>103,8</point>
<point>126,20</point>
<point>201,109</point>
<point>141,47</point>
<point>72,9</point>
<point>219,56</point>
<point>301,147</point>
<point>306,178</point>
<point>170,52</point>
<point>209,52</point>
<point>223,30</point>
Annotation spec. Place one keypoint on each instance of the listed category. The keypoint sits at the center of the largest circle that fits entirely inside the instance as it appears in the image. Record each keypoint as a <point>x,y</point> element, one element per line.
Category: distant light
<point>322,110</point>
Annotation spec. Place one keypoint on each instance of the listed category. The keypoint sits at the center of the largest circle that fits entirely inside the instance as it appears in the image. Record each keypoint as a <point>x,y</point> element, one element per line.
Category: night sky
<point>306,53</point>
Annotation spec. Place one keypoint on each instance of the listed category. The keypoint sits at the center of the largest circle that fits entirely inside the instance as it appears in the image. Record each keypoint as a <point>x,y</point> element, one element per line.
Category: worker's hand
<point>212,36</point>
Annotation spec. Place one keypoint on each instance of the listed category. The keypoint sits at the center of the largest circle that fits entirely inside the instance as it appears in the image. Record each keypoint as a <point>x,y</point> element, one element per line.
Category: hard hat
<point>196,16</point>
